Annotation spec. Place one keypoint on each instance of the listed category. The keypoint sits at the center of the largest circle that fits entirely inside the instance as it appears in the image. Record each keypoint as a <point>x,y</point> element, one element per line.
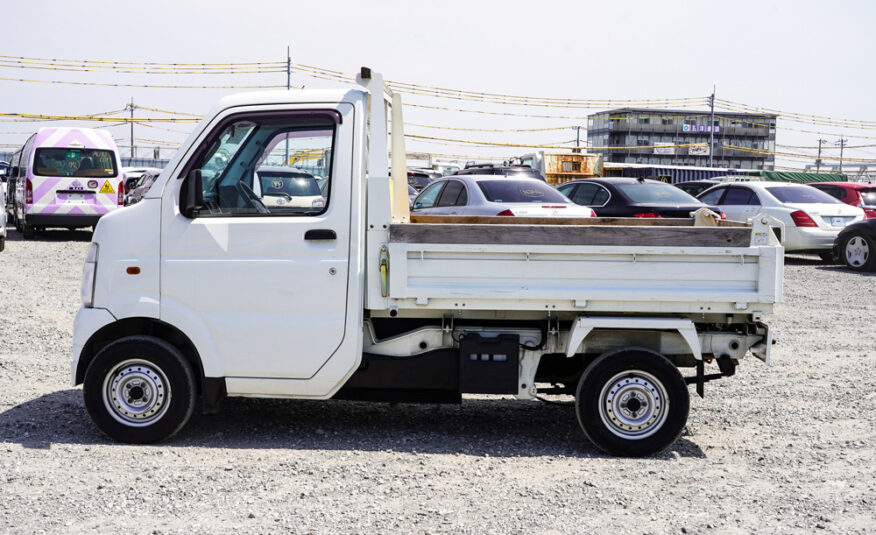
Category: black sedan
<point>855,246</point>
<point>632,197</point>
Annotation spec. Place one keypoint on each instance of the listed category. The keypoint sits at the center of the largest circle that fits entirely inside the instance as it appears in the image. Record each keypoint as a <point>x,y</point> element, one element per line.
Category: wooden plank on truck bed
<point>635,235</point>
<point>590,221</point>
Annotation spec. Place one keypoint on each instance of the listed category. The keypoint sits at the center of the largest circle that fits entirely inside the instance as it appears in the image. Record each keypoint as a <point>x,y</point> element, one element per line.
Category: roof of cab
<point>294,96</point>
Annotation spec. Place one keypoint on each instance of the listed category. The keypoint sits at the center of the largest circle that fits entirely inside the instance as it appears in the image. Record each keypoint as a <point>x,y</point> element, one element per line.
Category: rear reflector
<point>647,214</point>
<point>506,212</point>
<point>802,219</point>
<point>554,207</point>
<point>28,192</point>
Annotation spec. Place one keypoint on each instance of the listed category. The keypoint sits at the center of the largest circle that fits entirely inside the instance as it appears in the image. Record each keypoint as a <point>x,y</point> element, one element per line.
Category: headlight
<point>88,273</point>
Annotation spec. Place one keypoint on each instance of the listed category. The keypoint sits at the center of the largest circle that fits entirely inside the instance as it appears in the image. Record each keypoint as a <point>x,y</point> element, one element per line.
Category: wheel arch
<point>140,326</point>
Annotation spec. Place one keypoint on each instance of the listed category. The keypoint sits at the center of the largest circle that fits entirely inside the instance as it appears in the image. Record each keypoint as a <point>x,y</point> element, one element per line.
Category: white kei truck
<point>204,290</point>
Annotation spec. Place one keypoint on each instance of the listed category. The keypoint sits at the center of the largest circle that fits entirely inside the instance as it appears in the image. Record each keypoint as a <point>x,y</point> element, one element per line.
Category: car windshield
<point>649,192</point>
<point>801,194</point>
<point>519,191</point>
<point>293,185</point>
<point>74,162</point>
<point>869,196</point>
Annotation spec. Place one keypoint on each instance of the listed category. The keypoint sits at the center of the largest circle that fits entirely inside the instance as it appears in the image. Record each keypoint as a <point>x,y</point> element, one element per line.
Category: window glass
<point>712,197</point>
<point>650,192</point>
<point>450,194</point>
<point>565,189</point>
<point>462,200</point>
<point>584,194</point>
<point>800,194</point>
<point>269,167</point>
<point>601,197</point>
<point>519,191</point>
<point>75,162</point>
<point>737,196</point>
<point>427,197</point>
<point>868,196</point>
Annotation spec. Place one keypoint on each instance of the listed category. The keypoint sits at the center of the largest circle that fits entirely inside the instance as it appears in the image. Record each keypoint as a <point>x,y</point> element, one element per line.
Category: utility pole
<point>577,139</point>
<point>288,86</point>
<point>842,143</point>
<point>818,159</point>
<point>712,127</point>
<point>131,107</point>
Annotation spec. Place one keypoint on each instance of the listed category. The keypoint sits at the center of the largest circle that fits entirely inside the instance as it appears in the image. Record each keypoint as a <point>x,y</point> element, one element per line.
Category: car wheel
<point>139,389</point>
<point>27,231</point>
<point>859,253</point>
<point>632,403</point>
<point>2,244</point>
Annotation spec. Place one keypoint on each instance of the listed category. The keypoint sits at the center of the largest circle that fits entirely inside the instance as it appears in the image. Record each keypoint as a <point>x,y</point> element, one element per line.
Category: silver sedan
<point>492,195</point>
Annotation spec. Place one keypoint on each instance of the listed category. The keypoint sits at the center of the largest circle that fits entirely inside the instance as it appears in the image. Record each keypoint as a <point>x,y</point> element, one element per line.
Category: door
<point>267,280</point>
<point>452,199</point>
<point>740,203</point>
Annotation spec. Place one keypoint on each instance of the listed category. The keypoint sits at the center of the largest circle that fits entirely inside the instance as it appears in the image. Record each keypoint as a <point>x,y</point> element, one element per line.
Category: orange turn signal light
<point>133,270</point>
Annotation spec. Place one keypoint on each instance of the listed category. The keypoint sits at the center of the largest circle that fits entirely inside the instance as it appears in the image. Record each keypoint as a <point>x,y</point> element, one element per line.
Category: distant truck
<point>64,177</point>
<point>203,290</point>
<point>562,166</point>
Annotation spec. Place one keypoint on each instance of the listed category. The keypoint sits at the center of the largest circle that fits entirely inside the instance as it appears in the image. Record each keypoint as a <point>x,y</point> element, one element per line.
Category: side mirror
<point>191,197</point>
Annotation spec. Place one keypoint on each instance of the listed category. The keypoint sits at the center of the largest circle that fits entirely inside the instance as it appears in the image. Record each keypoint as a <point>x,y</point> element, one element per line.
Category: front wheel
<point>139,389</point>
<point>632,403</point>
<point>859,253</point>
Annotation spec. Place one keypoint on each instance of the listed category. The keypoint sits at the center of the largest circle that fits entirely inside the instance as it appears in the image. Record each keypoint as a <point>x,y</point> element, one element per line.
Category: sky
<point>804,56</point>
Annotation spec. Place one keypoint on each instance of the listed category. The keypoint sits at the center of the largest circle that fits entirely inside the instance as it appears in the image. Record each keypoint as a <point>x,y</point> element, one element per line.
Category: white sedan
<point>495,195</point>
<point>812,218</point>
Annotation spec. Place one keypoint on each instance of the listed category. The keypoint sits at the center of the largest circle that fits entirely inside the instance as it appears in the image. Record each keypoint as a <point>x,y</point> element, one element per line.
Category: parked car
<point>855,246</point>
<point>419,179</point>
<point>65,177</point>
<point>631,197</point>
<point>138,188</point>
<point>2,219</point>
<point>133,174</point>
<point>505,170</point>
<point>412,194</point>
<point>855,193</point>
<point>490,195</point>
<point>812,218</point>
<point>695,187</point>
<point>286,187</point>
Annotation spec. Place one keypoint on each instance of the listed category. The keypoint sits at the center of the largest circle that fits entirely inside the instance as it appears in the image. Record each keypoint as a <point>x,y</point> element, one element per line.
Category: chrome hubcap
<point>136,393</point>
<point>633,404</point>
<point>857,251</point>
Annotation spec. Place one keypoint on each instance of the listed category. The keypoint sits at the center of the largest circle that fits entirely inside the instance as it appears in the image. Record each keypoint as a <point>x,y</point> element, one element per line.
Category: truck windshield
<point>74,162</point>
<point>801,194</point>
<point>519,191</point>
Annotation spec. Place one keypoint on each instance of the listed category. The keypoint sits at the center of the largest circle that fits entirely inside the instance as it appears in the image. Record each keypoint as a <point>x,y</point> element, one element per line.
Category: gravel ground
<point>783,449</point>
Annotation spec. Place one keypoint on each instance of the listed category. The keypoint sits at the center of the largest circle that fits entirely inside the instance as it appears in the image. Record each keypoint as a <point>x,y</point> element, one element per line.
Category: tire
<point>27,231</point>
<point>2,244</point>
<point>648,427</point>
<point>858,252</point>
<point>140,390</point>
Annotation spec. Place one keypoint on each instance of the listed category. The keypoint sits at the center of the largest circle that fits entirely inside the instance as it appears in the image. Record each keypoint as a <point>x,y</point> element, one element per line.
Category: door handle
<point>320,234</point>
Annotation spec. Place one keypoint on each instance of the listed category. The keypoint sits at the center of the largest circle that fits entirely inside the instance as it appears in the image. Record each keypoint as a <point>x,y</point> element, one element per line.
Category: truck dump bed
<point>590,265</point>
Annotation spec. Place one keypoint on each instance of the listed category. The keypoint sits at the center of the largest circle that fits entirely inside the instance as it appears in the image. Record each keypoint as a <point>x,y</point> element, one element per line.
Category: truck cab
<point>205,290</point>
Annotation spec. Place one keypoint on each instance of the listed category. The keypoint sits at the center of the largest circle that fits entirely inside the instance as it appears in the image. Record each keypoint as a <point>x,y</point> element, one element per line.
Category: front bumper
<point>88,321</point>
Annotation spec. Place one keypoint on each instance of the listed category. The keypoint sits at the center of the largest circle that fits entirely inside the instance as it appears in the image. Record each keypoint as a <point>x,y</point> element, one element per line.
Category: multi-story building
<point>681,137</point>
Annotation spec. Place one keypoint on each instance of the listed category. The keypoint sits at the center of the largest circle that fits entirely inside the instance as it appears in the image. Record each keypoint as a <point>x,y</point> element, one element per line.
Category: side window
<point>712,197</point>
<point>450,194</point>
<point>754,200</point>
<point>566,189</point>
<point>462,200</point>
<point>427,197</point>
<point>584,194</point>
<point>601,197</point>
<point>737,196</point>
<point>268,167</point>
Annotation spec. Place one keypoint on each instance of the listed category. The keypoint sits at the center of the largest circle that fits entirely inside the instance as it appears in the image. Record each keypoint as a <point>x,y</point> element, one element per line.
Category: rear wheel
<point>2,244</point>
<point>139,389</point>
<point>632,403</point>
<point>858,252</point>
<point>27,230</point>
